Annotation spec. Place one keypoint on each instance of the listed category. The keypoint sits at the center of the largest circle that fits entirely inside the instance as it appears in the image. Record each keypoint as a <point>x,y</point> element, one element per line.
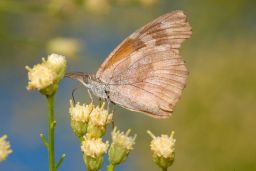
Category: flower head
<point>80,112</point>
<point>121,145</point>
<point>123,139</point>
<point>40,77</point>
<point>45,76</point>
<point>79,117</point>
<point>100,117</point>
<point>98,120</point>
<point>5,148</point>
<point>94,147</point>
<point>163,149</point>
<point>163,146</point>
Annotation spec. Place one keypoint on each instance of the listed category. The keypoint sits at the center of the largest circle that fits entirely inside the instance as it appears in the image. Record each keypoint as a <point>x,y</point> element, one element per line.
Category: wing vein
<point>132,64</point>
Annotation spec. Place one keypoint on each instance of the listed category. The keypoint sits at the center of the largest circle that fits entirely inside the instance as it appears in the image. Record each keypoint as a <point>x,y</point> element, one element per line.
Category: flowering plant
<point>89,123</point>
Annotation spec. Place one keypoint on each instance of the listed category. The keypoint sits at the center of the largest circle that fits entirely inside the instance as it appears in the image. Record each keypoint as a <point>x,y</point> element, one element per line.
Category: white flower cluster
<point>89,124</point>
<point>163,146</point>
<point>47,73</point>
<point>97,116</point>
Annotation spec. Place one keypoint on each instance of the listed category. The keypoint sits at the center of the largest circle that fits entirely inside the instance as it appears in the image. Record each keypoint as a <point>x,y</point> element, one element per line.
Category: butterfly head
<point>89,81</point>
<point>79,76</point>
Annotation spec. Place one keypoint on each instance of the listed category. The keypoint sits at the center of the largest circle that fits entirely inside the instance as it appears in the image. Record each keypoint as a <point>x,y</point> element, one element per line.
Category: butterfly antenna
<point>73,95</point>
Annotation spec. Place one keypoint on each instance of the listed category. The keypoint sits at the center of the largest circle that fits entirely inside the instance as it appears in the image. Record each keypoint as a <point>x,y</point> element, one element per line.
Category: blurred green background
<point>214,122</point>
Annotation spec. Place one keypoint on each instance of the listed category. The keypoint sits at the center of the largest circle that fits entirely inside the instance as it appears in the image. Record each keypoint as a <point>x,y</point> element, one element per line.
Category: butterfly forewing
<point>145,72</point>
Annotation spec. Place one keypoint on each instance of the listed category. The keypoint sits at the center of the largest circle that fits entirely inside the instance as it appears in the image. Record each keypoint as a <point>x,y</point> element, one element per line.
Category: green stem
<point>44,140</point>
<point>110,167</point>
<point>60,161</point>
<point>51,126</point>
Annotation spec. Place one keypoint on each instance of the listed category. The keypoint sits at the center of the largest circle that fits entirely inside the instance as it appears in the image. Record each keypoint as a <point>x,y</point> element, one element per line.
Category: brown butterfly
<point>146,72</point>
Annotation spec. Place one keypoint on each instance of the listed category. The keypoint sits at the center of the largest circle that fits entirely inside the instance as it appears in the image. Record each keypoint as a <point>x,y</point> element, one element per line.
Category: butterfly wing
<point>145,72</point>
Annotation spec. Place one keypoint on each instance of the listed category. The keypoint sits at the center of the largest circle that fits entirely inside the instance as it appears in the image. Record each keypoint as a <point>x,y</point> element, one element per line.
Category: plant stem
<point>110,167</point>
<point>51,126</point>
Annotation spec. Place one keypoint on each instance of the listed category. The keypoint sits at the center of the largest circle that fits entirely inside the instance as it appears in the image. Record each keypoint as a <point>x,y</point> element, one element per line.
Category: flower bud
<point>95,131</point>
<point>93,164</point>
<point>5,148</point>
<point>163,149</point>
<point>98,120</point>
<point>79,117</point>
<point>121,146</point>
<point>94,150</point>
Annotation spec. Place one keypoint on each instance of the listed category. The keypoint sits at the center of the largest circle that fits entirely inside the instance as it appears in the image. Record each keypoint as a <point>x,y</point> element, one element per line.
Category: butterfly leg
<point>107,99</point>
<point>108,103</point>
<point>113,124</point>
<point>113,111</point>
<point>90,95</point>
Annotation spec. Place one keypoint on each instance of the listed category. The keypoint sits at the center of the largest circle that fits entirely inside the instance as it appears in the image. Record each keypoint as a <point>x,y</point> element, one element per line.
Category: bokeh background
<point>215,121</point>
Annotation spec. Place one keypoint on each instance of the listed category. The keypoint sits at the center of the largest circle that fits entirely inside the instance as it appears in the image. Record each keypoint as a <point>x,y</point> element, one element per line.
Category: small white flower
<point>163,146</point>
<point>123,139</point>
<point>100,117</point>
<point>5,148</point>
<point>80,112</point>
<point>56,62</point>
<point>40,77</point>
<point>94,147</point>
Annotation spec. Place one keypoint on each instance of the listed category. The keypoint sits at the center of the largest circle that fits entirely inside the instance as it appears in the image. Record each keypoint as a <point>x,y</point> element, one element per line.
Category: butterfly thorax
<point>97,87</point>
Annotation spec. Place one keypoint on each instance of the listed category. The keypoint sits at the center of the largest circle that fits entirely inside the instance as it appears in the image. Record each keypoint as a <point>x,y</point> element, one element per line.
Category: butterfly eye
<point>86,78</point>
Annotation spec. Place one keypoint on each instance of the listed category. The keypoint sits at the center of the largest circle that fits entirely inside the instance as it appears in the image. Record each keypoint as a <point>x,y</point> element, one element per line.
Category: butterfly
<point>146,72</point>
